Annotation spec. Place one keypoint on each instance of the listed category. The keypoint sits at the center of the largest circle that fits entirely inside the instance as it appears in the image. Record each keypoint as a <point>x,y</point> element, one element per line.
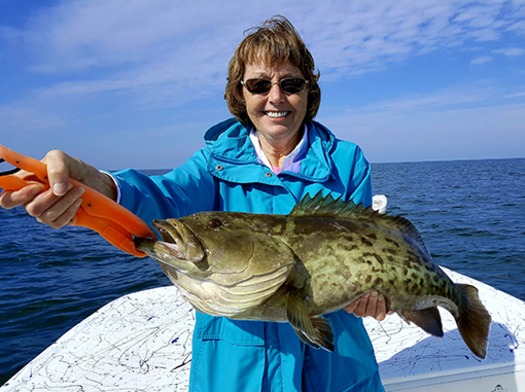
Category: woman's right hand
<point>58,205</point>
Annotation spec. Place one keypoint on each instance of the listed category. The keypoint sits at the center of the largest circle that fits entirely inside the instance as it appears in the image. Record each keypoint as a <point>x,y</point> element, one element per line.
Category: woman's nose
<point>276,95</point>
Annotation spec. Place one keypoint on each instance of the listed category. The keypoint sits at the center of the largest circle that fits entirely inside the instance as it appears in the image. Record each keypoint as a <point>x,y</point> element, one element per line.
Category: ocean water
<point>471,215</point>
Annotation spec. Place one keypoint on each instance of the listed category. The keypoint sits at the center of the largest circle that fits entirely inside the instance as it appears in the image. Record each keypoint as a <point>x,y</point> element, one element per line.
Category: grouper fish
<point>319,258</point>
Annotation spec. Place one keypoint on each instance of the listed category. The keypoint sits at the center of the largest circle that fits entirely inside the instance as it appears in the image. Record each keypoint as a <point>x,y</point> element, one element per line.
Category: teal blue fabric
<point>225,175</point>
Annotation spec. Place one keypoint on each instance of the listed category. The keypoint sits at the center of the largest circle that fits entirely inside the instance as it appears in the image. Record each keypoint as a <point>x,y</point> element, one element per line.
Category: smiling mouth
<point>277,114</point>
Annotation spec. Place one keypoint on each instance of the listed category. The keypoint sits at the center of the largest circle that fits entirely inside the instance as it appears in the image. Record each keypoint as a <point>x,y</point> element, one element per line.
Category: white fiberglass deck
<point>142,342</point>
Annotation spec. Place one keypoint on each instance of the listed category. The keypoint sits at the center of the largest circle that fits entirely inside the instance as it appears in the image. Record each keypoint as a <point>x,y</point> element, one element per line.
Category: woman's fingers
<point>371,304</point>
<point>60,166</point>
<point>12,199</point>
<point>55,211</point>
<point>58,205</point>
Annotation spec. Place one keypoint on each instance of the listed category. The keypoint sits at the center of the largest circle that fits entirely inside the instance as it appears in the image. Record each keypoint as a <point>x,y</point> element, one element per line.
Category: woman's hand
<point>371,304</point>
<point>58,205</point>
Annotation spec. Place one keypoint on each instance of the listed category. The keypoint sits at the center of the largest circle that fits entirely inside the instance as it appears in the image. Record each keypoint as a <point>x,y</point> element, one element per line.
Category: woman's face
<point>277,116</point>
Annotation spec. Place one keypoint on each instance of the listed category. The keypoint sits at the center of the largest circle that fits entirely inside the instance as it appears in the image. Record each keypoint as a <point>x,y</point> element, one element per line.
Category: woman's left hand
<point>371,304</point>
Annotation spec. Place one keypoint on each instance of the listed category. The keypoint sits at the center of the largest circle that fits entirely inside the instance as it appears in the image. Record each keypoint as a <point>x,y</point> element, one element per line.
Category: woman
<point>263,161</point>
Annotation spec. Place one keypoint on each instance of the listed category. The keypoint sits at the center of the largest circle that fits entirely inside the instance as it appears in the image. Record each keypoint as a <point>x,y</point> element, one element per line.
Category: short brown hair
<point>275,42</point>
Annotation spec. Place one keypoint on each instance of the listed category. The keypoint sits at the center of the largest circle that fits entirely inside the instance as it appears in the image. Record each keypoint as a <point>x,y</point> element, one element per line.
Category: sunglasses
<point>263,86</point>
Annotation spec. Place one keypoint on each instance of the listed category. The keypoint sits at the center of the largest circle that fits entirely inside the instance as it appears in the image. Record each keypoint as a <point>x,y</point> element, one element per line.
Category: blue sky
<point>123,83</point>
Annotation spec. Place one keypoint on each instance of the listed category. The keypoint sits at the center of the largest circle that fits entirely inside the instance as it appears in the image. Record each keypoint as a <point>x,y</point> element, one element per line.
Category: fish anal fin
<point>427,319</point>
<point>315,331</point>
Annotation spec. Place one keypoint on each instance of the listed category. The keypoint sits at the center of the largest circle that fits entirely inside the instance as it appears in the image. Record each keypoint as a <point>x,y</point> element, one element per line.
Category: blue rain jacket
<point>225,175</point>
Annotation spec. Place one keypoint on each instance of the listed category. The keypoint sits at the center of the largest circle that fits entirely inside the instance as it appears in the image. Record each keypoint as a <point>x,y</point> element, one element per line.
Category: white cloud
<point>507,52</point>
<point>481,60</point>
<point>519,94</point>
<point>510,52</point>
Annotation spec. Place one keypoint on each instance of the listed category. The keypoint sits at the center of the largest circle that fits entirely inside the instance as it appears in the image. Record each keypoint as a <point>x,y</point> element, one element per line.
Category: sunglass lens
<point>292,85</point>
<point>258,86</point>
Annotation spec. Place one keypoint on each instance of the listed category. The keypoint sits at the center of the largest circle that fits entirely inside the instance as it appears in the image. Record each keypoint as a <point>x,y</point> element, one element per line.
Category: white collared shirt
<point>291,163</point>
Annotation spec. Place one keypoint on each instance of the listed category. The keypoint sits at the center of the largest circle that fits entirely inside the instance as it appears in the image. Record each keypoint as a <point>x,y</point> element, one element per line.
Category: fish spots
<point>413,280</point>
<point>413,274</point>
<point>369,257</point>
<point>414,257</point>
<point>349,246</point>
<point>436,281</point>
<point>214,223</point>
<point>390,251</point>
<point>393,242</point>
<point>379,259</point>
<point>391,254</point>
<point>413,286</point>
<point>368,239</point>
<point>365,241</point>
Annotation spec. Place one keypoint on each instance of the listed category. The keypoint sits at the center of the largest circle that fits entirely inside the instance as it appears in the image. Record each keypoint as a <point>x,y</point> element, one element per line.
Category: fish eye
<point>214,223</point>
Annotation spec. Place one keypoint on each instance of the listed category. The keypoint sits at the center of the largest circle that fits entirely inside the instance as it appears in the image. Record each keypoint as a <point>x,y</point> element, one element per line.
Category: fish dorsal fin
<point>330,207</point>
<point>327,206</point>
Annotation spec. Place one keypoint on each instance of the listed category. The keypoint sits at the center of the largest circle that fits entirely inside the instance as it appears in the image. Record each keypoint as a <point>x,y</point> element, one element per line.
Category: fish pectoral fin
<point>315,331</point>
<point>427,319</point>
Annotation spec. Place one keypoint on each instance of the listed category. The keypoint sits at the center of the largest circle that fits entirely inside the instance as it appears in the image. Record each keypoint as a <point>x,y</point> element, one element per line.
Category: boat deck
<point>142,342</point>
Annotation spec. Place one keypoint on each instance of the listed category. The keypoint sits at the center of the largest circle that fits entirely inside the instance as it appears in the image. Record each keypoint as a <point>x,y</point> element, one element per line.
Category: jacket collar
<point>230,145</point>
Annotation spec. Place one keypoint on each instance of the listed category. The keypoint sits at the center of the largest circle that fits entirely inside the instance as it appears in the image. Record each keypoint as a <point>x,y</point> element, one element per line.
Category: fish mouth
<point>144,244</point>
<point>178,242</point>
<point>163,252</point>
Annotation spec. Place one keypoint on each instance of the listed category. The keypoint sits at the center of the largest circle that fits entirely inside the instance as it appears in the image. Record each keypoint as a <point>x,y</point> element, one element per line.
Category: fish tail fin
<point>473,320</point>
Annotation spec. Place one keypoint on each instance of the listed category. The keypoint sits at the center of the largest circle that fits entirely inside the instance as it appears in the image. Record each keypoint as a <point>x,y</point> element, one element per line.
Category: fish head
<point>224,263</point>
<point>211,243</point>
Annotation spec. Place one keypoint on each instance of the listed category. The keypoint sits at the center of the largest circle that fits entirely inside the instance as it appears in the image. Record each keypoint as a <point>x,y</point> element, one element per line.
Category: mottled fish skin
<point>318,259</point>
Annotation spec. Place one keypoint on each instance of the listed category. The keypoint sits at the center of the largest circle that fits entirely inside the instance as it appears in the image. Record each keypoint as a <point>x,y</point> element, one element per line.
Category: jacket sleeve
<point>351,170</point>
<point>361,181</point>
<point>183,191</point>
